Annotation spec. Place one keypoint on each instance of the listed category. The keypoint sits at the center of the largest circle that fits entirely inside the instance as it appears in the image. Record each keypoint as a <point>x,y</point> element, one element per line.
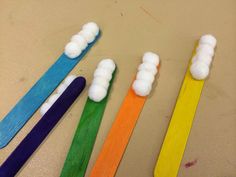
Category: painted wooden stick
<point>40,131</point>
<point>85,136</point>
<point>33,99</point>
<point>181,122</point>
<point>122,128</point>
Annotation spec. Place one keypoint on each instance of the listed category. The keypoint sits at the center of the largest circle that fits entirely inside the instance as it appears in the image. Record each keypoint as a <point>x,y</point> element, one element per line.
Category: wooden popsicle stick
<point>181,122</point>
<point>11,124</point>
<point>40,131</point>
<point>85,136</point>
<point>119,135</point>
<point>177,134</point>
<point>173,147</point>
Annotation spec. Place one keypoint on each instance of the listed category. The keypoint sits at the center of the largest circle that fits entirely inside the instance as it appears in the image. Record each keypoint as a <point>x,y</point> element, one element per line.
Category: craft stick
<point>74,51</point>
<point>85,135</point>
<point>122,128</point>
<point>181,122</point>
<point>40,131</point>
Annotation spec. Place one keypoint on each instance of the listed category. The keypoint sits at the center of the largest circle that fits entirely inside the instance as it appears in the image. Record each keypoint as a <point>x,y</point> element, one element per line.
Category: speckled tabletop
<point>33,34</point>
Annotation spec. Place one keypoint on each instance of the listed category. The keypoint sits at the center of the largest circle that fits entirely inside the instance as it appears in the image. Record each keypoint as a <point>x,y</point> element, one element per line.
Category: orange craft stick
<point>119,135</point>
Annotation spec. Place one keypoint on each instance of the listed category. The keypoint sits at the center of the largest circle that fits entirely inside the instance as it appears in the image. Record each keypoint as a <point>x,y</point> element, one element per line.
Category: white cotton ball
<point>145,75</point>
<point>141,87</point>
<point>101,72</point>
<point>208,39</point>
<point>148,67</point>
<point>87,35</point>
<point>151,57</point>
<point>101,81</point>
<point>69,79</point>
<point>92,27</point>
<point>199,70</point>
<point>97,93</point>
<point>53,99</point>
<point>72,50</point>
<point>61,88</point>
<point>80,40</point>
<point>202,57</point>
<point>107,64</point>
<point>44,108</point>
<point>205,48</point>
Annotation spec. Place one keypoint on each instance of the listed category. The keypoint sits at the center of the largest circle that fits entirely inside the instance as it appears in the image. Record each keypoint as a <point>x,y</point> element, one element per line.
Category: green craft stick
<point>82,145</point>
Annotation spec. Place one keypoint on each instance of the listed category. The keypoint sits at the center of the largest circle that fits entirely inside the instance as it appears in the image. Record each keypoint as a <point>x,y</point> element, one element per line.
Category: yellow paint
<point>176,138</point>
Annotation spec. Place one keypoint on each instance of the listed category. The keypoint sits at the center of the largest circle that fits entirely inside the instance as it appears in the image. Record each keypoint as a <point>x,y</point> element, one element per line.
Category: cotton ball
<point>145,75</point>
<point>61,88</point>
<point>199,70</point>
<point>97,93</point>
<point>151,57</point>
<point>101,81</point>
<point>80,40</point>
<point>208,39</point>
<point>53,99</point>
<point>92,27</point>
<point>148,67</point>
<point>107,64</point>
<point>101,72</point>
<point>87,35</point>
<point>141,87</point>
<point>202,57</point>
<point>69,79</point>
<point>205,48</point>
<point>72,50</point>
<point>44,108</point>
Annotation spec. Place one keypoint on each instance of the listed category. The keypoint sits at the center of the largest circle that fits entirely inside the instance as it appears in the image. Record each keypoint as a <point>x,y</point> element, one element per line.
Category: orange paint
<point>118,137</point>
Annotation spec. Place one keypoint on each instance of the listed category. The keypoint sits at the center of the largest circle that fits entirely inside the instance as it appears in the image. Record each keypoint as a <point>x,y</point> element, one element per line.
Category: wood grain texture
<point>41,130</point>
<point>175,141</point>
<point>82,145</point>
<point>119,135</point>
<point>34,98</point>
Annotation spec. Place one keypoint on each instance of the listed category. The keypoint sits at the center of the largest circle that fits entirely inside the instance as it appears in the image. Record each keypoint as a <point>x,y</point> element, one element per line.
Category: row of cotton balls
<point>102,77</point>
<point>52,99</point>
<point>201,62</point>
<point>81,40</point>
<point>142,85</point>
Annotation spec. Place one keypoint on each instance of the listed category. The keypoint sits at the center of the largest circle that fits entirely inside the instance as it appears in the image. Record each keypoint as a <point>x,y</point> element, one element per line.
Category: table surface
<point>33,34</point>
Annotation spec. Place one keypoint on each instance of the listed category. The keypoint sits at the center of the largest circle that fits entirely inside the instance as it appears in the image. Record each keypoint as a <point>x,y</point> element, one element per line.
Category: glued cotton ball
<point>61,88</point>
<point>92,27</point>
<point>44,108</point>
<point>199,70</point>
<point>202,57</point>
<point>72,50</point>
<point>208,39</point>
<point>101,81</point>
<point>146,76</point>
<point>205,48</point>
<point>53,99</point>
<point>97,93</point>
<point>141,87</point>
<point>107,64</point>
<point>151,57</point>
<point>148,67</point>
<point>82,43</point>
<point>69,80</point>
<point>101,72</point>
<point>87,35</point>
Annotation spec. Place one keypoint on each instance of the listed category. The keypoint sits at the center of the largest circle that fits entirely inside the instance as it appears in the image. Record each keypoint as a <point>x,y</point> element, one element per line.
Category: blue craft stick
<point>36,136</point>
<point>35,97</point>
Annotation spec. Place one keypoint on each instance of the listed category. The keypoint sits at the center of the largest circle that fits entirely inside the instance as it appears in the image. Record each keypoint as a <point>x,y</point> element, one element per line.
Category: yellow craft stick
<point>181,122</point>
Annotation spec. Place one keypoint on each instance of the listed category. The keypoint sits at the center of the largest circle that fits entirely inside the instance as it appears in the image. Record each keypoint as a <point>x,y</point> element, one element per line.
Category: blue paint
<point>36,96</point>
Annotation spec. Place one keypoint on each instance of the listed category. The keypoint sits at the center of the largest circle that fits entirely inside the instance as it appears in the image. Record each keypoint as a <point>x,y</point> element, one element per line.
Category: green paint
<point>82,145</point>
